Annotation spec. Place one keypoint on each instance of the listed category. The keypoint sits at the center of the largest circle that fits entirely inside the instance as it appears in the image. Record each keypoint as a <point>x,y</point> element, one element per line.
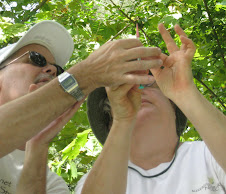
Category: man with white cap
<point>34,106</point>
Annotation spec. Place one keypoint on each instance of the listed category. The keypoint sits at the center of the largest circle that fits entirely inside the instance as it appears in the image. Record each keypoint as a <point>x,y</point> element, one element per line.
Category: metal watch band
<point>72,87</point>
<point>77,93</point>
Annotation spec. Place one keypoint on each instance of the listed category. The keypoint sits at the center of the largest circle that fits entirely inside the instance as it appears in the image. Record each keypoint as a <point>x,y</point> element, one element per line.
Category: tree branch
<point>134,22</point>
<point>120,32</point>
<point>122,4</point>
<point>39,6</point>
<point>123,12</point>
<point>210,91</point>
<point>214,32</point>
<point>35,10</point>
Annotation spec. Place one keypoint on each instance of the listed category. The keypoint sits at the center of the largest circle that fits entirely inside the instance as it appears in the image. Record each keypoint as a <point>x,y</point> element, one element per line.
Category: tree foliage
<point>93,22</point>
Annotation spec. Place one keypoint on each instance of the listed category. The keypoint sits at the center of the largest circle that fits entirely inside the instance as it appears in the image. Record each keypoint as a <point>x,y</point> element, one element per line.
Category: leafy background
<point>93,22</point>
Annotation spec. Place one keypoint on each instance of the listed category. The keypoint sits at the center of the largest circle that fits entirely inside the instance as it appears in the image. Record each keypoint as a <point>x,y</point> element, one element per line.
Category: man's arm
<point>110,65</point>
<point>33,175</point>
<point>176,82</point>
<point>26,116</point>
<point>112,164</point>
<point>209,122</point>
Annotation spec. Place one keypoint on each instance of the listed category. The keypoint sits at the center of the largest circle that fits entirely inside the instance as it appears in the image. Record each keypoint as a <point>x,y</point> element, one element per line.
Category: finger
<point>114,87</point>
<point>179,30</point>
<point>190,46</point>
<point>141,65</point>
<point>62,120</point>
<point>135,95</point>
<point>141,52</point>
<point>170,44</point>
<point>155,72</point>
<point>142,72</point>
<point>137,79</point>
<point>117,94</point>
<point>123,88</point>
<point>135,89</point>
<point>151,58</point>
<point>56,126</point>
<point>126,43</point>
<point>186,42</point>
<point>77,105</point>
<point>163,57</point>
<point>129,90</point>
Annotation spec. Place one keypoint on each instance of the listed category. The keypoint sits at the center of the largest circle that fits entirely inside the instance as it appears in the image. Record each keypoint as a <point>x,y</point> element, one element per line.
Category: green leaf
<point>73,149</point>
<point>67,1</point>
<point>169,20</point>
<point>74,172</point>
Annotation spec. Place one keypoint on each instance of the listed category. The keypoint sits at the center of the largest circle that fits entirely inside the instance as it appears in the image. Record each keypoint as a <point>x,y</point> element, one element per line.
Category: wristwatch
<point>70,85</point>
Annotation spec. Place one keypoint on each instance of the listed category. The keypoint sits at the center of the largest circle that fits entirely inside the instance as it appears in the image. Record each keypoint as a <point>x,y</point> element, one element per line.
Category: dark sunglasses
<point>38,60</point>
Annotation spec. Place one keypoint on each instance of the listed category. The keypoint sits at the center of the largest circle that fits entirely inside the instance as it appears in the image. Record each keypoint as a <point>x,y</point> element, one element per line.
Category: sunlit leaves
<point>72,150</point>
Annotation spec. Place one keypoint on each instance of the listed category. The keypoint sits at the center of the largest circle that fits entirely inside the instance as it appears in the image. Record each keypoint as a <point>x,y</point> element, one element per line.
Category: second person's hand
<point>125,101</point>
<point>175,78</point>
<point>115,62</point>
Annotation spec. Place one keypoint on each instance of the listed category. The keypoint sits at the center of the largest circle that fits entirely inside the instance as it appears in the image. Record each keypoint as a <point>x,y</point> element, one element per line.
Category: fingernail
<point>159,50</point>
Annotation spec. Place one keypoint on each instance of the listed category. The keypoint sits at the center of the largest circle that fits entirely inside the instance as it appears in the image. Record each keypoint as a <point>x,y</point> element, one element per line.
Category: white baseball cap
<point>47,33</point>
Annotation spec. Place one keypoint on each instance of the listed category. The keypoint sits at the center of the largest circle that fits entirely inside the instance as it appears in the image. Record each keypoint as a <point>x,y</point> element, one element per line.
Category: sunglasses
<point>37,60</point>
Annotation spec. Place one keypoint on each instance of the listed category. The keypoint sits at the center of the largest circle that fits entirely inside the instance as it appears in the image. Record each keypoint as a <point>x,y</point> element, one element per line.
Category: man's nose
<point>50,69</point>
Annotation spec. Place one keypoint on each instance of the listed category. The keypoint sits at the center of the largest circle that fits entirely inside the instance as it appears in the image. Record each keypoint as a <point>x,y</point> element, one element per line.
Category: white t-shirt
<point>11,166</point>
<point>194,171</point>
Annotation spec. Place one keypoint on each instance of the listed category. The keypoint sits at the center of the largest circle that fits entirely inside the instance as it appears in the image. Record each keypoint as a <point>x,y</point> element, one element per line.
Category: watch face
<point>67,83</point>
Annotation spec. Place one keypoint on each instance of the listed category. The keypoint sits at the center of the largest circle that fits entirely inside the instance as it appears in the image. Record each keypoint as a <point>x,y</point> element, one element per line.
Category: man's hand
<point>176,76</point>
<point>46,135</point>
<point>115,62</point>
<point>125,101</point>
<point>104,177</point>
<point>33,175</point>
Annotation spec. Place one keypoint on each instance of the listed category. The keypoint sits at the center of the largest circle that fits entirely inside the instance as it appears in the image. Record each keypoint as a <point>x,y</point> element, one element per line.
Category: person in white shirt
<point>140,130</point>
<point>37,97</point>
